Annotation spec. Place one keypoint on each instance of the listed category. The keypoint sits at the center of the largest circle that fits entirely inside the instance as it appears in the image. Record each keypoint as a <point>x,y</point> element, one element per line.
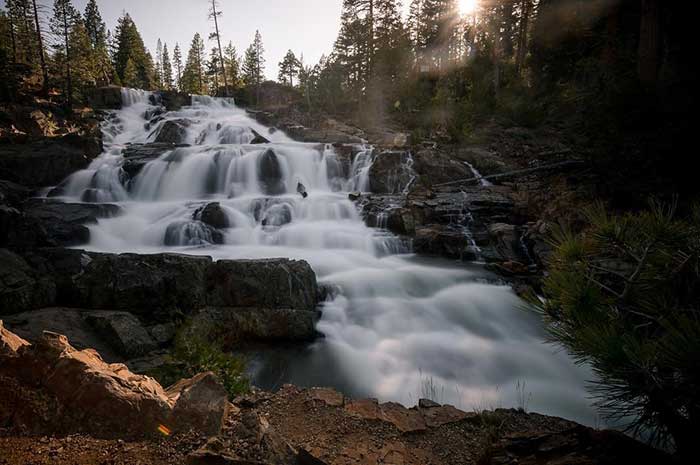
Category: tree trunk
<point>42,57</point>
<point>221,53</point>
<point>12,36</point>
<point>649,43</point>
<point>69,81</point>
<point>526,7</point>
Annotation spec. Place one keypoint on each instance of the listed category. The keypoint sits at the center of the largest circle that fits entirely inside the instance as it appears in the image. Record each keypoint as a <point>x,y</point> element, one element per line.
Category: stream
<point>399,327</point>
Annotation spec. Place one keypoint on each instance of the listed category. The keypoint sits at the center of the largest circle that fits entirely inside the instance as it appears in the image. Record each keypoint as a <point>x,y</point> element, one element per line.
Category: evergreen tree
<point>289,68</point>
<point>232,66</point>
<point>130,46</point>
<point>177,61</point>
<point>167,69</point>
<point>213,72</point>
<point>98,35</point>
<point>193,74</point>
<point>254,65</point>
<point>65,18</point>
<point>159,65</point>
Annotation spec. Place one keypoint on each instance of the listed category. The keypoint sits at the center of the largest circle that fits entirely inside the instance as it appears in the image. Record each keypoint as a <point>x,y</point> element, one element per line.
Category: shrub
<point>195,352</point>
<point>624,297</point>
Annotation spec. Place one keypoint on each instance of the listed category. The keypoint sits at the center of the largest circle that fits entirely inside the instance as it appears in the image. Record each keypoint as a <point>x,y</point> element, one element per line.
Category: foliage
<point>193,74</point>
<point>195,352</point>
<point>253,67</point>
<point>130,48</point>
<point>289,68</point>
<point>624,297</point>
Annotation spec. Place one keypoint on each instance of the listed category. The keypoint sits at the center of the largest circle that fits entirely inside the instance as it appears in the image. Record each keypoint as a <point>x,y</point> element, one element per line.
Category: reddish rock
<point>330,397</point>
<point>9,343</point>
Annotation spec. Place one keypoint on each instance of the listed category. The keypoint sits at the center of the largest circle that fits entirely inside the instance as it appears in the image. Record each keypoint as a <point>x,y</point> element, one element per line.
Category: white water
<point>397,322</point>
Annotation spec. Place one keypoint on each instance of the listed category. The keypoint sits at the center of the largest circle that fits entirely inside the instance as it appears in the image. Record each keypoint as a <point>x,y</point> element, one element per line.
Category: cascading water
<point>397,320</point>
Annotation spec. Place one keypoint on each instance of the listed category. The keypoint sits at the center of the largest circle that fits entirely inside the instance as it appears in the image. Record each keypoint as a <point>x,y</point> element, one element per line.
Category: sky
<point>307,27</point>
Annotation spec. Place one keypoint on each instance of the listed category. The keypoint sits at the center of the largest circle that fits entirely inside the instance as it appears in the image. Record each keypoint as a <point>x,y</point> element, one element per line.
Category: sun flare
<point>467,7</point>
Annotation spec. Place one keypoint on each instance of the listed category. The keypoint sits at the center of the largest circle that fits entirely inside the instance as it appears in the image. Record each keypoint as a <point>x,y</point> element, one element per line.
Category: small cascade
<point>483,181</point>
<point>395,318</point>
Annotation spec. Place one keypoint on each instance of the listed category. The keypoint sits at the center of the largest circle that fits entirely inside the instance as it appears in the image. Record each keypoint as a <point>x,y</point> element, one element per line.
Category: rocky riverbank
<point>61,405</point>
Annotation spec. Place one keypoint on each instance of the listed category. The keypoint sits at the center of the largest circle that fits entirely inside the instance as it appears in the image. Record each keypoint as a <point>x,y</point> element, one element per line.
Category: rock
<point>270,172</point>
<point>163,334</point>
<point>436,167</point>
<point>173,131</point>
<point>173,100</point>
<point>506,241</point>
<point>271,283</point>
<point>213,215</point>
<point>12,193</point>
<point>83,394</point>
<point>191,233</point>
<point>277,215</point>
<point>258,139</point>
<point>578,445</point>
<point>201,403</point>
<point>427,403</point>
<point>136,156</point>
<point>47,161</point>
<point>10,343</point>
<point>105,98</point>
<point>405,420</point>
<point>70,322</point>
<point>390,172</point>
<point>329,397</point>
<point>123,332</point>
<point>21,288</point>
<point>444,240</point>
<point>435,417</point>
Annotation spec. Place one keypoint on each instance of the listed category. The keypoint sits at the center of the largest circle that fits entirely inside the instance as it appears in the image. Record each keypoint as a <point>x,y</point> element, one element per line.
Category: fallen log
<point>492,177</point>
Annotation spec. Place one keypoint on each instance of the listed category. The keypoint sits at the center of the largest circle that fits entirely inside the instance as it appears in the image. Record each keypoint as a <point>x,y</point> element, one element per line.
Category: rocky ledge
<point>51,388</point>
<point>130,305</point>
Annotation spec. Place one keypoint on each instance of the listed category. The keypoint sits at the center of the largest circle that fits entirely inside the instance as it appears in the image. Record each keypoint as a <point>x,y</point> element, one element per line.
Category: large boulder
<point>47,161</point>
<point>105,98</point>
<point>172,100</point>
<point>270,174</point>
<point>213,215</point>
<point>123,332</point>
<point>21,287</point>
<point>391,172</point>
<point>61,390</point>
<point>136,156</point>
<point>436,167</point>
<point>173,131</point>
<point>10,343</point>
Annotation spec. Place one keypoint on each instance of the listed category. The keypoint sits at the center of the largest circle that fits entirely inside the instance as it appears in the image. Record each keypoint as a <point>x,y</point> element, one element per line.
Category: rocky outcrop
<point>47,161</point>
<point>213,215</point>
<point>105,98</point>
<point>258,139</point>
<point>173,131</point>
<point>267,299</point>
<point>172,100</point>
<point>390,172</point>
<point>270,173</point>
<point>136,156</point>
<point>60,390</point>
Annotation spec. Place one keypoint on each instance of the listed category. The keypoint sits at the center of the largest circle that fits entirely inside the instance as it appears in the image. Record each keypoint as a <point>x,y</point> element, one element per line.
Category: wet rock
<point>390,172</point>
<point>173,100</point>
<point>105,98</point>
<point>277,215</point>
<point>21,287</point>
<point>47,161</point>
<point>123,331</point>
<point>136,156</point>
<point>191,233</point>
<point>506,241</point>
<point>444,240</point>
<point>436,167</point>
<point>173,131</point>
<point>213,215</point>
<point>270,174</point>
<point>12,193</point>
<point>258,139</point>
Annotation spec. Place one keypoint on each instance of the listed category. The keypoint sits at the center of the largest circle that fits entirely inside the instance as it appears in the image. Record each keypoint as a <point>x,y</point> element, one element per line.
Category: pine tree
<point>130,46</point>
<point>254,65</point>
<point>193,74</point>
<point>65,18</point>
<point>177,61</point>
<point>289,68</point>
<point>98,35</point>
<point>167,69</point>
<point>159,65</point>
<point>40,49</point>
<point>213,72</point>
<point>232,65</point>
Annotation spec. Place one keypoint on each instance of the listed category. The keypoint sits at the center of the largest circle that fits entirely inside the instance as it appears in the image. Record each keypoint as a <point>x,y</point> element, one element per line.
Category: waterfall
<point>395,318</point>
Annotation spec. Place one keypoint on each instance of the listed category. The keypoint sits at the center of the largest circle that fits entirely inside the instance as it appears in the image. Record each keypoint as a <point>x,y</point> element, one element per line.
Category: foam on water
<point>398,322</point>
